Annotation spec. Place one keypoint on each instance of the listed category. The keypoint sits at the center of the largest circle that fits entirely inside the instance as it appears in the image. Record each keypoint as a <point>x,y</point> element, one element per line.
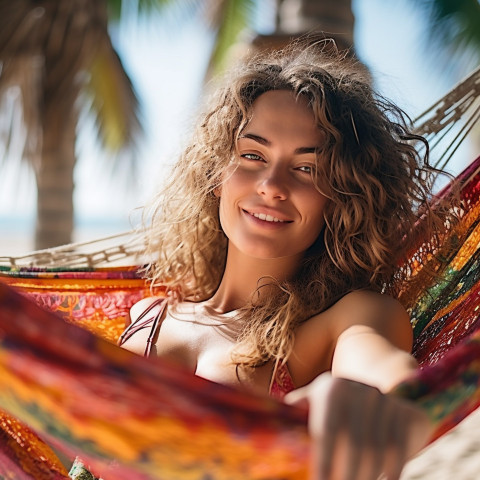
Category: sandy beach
<point>455,456</point>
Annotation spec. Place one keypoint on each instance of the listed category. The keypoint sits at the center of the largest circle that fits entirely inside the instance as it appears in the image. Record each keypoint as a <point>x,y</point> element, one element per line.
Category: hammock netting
<point>66,388</point>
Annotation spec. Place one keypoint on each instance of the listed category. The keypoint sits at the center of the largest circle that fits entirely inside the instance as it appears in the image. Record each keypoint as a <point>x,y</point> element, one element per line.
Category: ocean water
<point>17,233</point>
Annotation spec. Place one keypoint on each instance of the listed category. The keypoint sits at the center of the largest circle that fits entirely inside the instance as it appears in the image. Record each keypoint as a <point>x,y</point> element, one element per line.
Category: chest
<point>205,347</point>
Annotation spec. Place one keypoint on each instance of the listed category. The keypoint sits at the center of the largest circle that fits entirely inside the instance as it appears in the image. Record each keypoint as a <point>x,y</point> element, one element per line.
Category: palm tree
<point>56,56</point>
<point>453,39</point>
<point>293,19</point>
<point>329,18</point>
<point>453,32</point>
<point>54,53</point>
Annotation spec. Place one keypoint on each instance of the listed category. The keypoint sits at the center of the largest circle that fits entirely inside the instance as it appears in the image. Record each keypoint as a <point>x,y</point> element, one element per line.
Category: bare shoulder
<point>135,337</point>
<point>379,312</point>
<point>357,312</point>
<point>139,308</point>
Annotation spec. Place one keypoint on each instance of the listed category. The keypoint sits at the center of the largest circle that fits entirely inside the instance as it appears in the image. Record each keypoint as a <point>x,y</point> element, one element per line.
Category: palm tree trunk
<point>54,177</point>
<point>334,18</point>
<point>52,50</point>
<point>296,18</point>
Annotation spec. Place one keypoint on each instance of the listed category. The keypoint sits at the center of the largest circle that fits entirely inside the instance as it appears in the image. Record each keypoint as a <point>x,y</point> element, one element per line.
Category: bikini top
<point>281,384</point>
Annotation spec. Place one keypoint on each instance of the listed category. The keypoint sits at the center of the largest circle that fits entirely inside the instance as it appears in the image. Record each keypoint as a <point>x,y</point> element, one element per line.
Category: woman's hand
<point>359,433</point>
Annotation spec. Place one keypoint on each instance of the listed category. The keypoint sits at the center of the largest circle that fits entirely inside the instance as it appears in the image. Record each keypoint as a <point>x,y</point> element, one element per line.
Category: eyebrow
<point>267,143</point>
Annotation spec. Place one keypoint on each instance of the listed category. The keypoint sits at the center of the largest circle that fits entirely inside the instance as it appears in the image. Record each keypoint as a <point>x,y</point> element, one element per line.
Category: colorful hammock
<point>130,417</point>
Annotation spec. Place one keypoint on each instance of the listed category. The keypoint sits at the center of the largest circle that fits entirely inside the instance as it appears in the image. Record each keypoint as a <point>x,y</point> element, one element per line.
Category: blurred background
<point>97,97</point>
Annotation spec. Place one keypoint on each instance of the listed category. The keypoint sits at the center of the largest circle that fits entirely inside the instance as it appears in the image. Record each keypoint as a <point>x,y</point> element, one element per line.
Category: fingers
<point>362,421</point>
<point>322,422</point>
<point>324,425</point>
<point>356,438</point>
<point>396,446</point>
<point>380,438</point>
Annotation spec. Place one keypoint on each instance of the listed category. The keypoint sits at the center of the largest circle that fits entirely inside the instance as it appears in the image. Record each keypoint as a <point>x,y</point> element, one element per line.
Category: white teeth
<point>267,218</point>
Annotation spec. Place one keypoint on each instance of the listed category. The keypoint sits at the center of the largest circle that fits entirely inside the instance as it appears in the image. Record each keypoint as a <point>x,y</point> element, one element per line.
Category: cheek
<point>232,190</point>
<point>317,215</point>
<point>314,240</point>
<point>316,204</point>
<point>226,209</point>
<point>222,214</point>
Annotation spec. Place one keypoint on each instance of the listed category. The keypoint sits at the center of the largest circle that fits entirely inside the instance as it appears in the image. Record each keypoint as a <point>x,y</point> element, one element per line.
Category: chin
<point>268,253</point>
<point>268,249</point>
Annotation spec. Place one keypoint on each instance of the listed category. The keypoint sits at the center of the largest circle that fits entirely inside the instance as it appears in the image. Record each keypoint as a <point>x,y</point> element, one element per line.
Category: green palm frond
<point>114,103</point>
<point>230,18</point>
<point>459,20</point>
<point>454,27</point>
<point>45,51</point>
<point>147,7</point>
<point>227,18</point>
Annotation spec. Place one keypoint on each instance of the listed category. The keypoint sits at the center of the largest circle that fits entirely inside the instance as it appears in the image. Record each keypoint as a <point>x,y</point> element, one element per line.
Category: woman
<point>279,238</point>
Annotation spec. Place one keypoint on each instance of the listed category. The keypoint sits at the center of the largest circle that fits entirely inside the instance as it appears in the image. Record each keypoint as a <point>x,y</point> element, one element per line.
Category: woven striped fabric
<point>130,417</point>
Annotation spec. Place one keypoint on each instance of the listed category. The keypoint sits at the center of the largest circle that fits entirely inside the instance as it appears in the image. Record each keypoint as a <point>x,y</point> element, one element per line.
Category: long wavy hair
<point>369,167</point>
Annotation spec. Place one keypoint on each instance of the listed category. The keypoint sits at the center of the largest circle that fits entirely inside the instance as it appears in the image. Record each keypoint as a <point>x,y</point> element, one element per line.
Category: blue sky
<point>166,64</point>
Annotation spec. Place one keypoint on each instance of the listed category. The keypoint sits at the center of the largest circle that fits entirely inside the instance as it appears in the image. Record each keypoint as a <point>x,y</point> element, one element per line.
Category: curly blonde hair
<point>369,168</point>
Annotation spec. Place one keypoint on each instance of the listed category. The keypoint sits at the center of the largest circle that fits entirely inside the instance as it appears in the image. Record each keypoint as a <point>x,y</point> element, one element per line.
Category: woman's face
<point>269,206</point>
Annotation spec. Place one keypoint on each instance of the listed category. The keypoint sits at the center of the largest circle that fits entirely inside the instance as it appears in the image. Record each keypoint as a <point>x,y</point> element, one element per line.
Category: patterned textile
<point>97,300</point>
<point>130,417</point>
<point>282,382</point>
<point>24,455</point>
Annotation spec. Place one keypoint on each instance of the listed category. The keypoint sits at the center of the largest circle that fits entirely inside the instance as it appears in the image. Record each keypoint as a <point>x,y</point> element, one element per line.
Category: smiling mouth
<point>267,218</point>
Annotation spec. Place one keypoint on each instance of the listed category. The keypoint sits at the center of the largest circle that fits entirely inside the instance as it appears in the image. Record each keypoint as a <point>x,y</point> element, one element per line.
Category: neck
<point>244,275</point>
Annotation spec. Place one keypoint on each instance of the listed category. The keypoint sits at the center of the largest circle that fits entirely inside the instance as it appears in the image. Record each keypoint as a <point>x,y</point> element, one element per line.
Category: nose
<point>273,184</point>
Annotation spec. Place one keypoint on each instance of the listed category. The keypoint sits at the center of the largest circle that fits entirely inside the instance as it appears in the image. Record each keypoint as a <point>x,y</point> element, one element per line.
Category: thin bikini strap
<point>155,326</point>
<point>138,324</point>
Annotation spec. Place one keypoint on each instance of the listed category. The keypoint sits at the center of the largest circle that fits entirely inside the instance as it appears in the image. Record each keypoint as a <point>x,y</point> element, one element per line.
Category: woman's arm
<point>360,430</point>
<point>374,340</point>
